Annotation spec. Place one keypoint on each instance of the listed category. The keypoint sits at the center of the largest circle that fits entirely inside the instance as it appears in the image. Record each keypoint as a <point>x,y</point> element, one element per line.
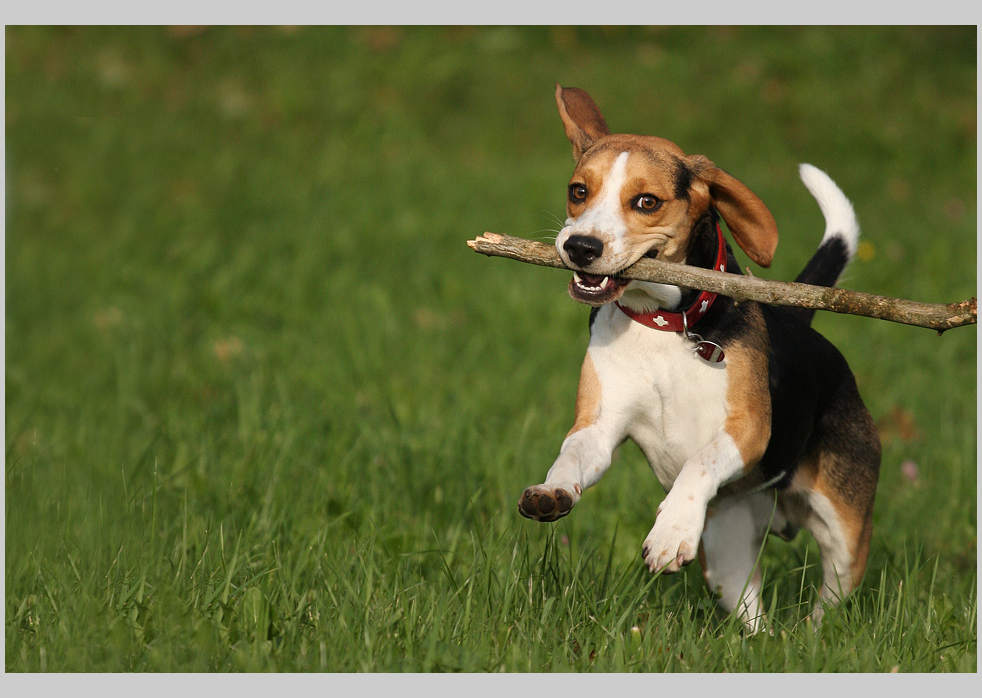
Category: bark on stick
<point>934,316</point>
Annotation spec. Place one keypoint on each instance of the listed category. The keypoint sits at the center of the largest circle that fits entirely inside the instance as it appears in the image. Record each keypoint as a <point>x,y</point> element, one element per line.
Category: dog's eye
<point>577,193</point>
<point>647,203</point>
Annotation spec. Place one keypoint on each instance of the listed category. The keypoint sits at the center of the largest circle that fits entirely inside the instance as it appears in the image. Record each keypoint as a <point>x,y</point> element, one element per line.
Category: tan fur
<point>748,399</point>
<point>805,475</point>
<point>587,397</point>
<point>582,120</point>
<point>857,526</point>
<point>855,519</point>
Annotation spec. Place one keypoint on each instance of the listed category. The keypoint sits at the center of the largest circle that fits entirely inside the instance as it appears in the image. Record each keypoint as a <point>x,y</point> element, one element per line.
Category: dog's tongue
<point>592,279</point>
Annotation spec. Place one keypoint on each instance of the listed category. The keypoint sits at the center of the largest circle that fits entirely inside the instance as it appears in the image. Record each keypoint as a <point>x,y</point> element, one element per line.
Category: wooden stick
<point>749,288</point>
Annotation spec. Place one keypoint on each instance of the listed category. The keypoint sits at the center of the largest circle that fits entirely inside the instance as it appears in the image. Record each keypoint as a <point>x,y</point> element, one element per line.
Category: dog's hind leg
<point>832,494</point>
<point>842,531</point>
<point>729,550</point>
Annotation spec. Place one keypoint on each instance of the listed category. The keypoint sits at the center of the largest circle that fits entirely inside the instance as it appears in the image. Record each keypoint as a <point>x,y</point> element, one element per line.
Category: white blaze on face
<point>604,218</point>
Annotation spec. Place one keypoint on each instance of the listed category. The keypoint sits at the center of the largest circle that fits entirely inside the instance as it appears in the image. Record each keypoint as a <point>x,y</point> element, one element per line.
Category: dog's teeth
<point>576,278</point>
<point>603,284</point>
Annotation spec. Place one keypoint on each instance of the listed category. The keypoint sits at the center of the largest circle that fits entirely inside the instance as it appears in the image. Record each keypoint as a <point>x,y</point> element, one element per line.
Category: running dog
<point>750,419</point>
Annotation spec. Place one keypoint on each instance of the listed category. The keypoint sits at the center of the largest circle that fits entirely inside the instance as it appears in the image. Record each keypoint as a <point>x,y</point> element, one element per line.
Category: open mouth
<point>595,289</point>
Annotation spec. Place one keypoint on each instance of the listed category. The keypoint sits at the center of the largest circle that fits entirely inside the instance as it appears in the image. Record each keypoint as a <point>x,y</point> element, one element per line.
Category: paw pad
<point>545,504</point>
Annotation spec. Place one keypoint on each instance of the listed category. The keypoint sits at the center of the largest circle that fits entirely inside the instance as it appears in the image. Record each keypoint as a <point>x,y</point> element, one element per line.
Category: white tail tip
<point>840,218</point>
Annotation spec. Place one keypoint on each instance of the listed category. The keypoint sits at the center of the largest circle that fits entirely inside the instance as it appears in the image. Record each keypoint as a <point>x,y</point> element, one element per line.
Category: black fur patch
<point>823,269</point>
<point>683,180</point>
<point>815,405</point>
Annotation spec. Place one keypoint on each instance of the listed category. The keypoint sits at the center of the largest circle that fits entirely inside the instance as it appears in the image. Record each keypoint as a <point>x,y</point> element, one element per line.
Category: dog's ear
<point>750,222</point>
<point>582,119</point>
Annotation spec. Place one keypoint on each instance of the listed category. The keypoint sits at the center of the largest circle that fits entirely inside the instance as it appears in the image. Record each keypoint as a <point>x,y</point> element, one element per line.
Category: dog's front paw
<point>674,539</point>
<point>548,502</point>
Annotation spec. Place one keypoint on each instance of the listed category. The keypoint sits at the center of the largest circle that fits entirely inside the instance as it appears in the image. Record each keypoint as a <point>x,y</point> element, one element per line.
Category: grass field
<point>266,411</point>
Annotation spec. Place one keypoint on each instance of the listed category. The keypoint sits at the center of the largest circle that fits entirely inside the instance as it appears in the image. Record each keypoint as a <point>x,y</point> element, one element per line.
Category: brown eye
<point>577,193</point>
<point>647,203</point>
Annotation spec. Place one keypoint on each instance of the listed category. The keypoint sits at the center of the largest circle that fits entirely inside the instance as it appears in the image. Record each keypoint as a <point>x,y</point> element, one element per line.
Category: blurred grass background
<point>265,409</point>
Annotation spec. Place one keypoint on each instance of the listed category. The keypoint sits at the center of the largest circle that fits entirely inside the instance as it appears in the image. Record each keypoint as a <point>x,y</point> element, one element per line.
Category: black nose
<point>582,249</point>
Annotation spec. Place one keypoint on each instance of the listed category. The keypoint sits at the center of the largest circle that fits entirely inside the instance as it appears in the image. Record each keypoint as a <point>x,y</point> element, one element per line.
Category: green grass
<point>265,410</point>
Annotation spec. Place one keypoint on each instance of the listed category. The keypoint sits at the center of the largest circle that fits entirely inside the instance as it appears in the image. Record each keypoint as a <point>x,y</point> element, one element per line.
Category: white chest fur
<point>656,390</point>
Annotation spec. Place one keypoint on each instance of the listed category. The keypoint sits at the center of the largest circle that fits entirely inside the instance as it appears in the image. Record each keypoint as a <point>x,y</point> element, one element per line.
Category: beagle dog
<point>750,419</point>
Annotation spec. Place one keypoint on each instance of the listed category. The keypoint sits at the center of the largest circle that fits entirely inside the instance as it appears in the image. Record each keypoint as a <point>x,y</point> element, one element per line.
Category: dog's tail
<point>841,237</point>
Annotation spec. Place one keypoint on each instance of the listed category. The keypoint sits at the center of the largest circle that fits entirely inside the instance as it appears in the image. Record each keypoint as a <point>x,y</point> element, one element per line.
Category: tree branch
<point>749,288</point>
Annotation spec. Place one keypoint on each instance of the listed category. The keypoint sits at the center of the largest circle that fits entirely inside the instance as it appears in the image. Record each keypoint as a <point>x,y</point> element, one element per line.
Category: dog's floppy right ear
<point>582,119</point>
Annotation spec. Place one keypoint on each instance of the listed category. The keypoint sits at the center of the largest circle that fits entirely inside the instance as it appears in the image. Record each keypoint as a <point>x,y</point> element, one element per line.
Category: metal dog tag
<point>708,351</point>
<point>713,353</point>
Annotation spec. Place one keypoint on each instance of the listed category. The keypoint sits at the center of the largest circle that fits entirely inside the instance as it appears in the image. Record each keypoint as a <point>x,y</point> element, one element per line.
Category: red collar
<point>673,322</point>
